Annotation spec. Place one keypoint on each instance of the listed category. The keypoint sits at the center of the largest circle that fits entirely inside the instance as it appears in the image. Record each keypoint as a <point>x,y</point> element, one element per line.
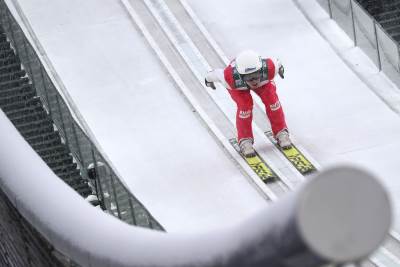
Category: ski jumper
<point>240,93</point>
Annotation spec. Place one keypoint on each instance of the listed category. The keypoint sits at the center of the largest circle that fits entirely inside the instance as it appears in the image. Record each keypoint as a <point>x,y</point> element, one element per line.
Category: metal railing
<point>367,34</point>
<point>112,193</point>
<point>21,244</point>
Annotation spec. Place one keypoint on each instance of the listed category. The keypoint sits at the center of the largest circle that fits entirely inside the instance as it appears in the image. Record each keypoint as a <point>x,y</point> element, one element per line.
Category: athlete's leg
<point>273,107</point>
<point>244,113</point>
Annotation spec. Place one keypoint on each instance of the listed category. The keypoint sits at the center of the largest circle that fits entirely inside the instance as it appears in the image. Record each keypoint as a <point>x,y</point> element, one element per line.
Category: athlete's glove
<point>209,84</point>
<point>281,71</point>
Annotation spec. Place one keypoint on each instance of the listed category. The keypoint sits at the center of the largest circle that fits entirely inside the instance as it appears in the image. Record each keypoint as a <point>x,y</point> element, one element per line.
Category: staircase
<point>20,102</point>
<point>387,13</point>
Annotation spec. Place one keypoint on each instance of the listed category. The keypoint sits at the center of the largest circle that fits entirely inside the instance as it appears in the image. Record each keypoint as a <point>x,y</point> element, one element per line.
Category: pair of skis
<point>265,172</point>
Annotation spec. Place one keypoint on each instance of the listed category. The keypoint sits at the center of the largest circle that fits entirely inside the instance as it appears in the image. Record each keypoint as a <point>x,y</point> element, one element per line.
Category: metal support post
<point>353,22</point>
<point>377,47</point>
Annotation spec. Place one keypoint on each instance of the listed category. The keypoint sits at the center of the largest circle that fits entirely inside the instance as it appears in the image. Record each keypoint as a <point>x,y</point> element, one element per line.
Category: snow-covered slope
<point>160,147</point>
<point>332,113</point>
<point>152,136</point>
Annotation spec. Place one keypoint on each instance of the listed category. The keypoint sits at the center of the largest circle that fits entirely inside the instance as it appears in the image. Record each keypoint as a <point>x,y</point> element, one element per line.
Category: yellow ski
<point>257,164</point>
<point>294,155</point>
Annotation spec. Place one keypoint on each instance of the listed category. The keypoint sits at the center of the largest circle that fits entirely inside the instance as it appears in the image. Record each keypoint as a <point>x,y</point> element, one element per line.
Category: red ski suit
<point>266,90</point>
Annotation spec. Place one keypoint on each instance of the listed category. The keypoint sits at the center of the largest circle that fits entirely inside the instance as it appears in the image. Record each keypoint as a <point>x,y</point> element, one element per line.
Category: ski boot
<point>283,139</point>
<point>246,148</point>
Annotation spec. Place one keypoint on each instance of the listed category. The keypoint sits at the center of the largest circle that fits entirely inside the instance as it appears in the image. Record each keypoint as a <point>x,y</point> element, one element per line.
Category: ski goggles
<point>252,76</point>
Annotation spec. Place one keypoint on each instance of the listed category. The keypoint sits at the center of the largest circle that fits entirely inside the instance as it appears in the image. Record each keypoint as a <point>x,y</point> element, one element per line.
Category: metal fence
<point>20,244</point>
<point>367,34</point>
<point>112,193</point>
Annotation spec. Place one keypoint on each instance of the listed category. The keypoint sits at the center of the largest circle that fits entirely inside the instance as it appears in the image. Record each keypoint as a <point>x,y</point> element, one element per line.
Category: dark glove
<point>281,72</point>
<point>209,84</point>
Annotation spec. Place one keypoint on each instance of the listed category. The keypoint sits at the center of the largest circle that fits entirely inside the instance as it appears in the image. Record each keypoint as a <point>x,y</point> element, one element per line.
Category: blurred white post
<point>340,216</point>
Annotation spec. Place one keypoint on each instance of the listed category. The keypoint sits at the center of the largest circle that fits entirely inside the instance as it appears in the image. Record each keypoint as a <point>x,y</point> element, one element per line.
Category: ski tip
<point>271,179</point>
<point>309,171</point>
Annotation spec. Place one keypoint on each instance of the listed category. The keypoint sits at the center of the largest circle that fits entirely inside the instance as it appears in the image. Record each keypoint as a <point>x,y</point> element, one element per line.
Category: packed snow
<point>157,143</point>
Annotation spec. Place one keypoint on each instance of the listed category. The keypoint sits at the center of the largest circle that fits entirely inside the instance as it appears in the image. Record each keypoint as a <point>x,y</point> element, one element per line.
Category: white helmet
<point>248,62</point>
